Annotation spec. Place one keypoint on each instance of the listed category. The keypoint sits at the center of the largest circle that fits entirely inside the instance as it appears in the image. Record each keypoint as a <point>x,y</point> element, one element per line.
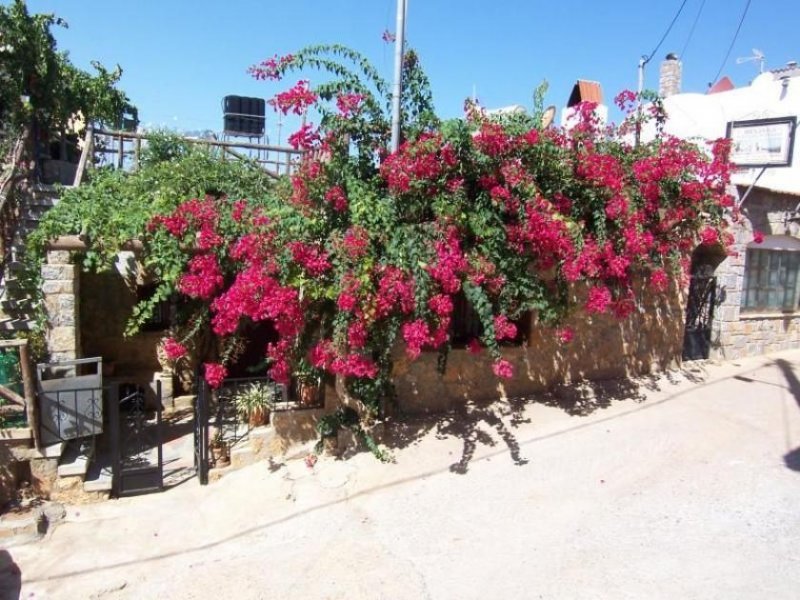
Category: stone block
<point>62,339</point>
<point>58,272</point>
<point>58,286</point>
<point>58,257</point>
<point>44,472</point>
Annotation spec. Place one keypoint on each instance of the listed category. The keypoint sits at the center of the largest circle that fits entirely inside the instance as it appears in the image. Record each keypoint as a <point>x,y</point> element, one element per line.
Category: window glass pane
<point>771,280</point>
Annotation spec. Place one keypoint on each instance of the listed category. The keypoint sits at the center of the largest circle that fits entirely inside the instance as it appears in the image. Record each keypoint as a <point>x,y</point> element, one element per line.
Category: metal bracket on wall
<point>752,185</point>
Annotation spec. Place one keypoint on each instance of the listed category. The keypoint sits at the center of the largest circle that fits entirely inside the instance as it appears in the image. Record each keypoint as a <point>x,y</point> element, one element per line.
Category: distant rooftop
<point>585,91</point>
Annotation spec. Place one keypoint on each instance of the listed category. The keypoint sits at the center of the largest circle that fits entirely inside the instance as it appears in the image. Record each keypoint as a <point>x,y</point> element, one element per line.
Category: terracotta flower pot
<point>258,417</point>
<point>308,393</point>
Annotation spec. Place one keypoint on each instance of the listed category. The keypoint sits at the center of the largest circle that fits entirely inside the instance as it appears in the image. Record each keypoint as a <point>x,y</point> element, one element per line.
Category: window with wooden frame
<point>466,325</point>
<point>771,275</point>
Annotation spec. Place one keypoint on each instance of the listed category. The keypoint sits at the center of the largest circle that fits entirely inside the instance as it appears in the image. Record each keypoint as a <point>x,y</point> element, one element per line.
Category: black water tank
<point>243,116</point>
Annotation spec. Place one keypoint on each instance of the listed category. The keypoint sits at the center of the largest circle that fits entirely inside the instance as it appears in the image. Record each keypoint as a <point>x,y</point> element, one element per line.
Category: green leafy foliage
<point>114,207</point>
<point>37,81</point>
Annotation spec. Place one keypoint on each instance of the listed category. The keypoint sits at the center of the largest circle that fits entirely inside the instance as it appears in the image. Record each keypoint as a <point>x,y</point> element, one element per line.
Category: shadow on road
<point>10,577</point>
<point>792,458</point>
<point>482,423</point>
<point>788,373</point>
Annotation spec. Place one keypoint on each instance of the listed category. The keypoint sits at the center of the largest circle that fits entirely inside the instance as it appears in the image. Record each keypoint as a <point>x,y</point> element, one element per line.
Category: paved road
<point>689,488</point>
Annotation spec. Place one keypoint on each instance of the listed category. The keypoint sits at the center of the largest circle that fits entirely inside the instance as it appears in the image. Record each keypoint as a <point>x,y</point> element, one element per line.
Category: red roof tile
<point>723,85</point>
<point>585,91</point>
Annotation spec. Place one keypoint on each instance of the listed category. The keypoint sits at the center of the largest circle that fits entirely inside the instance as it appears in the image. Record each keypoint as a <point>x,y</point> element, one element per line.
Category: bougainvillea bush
<point>362,249</point>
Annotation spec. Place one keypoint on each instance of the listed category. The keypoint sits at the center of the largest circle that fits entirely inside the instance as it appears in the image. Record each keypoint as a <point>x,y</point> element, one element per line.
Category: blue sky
<point>180,57</point>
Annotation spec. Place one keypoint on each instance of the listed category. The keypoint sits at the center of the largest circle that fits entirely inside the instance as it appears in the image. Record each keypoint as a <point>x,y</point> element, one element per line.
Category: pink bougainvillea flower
<point>357,334</point>
<point>215,374</point>
<point>474,346</point>
<point>311,258</point>
<point>203,279</point>
<point>270,68</point>
<point>599,299</point>
<point>349,104</point>
<point>565,334</point>
<point>416,335</point>
<point>304,138</point>
<point>625,100</point>
<point>504,329</point>
<point>347,302</point>
<point>758,237</point>
<point>355,242</point>
<point>709,236</point>
<point>336,198</point>
<point>173,349</point>
<point>441,304</point>
<point>296,99</point>
<point>659,280</point>
<point>504,369</point>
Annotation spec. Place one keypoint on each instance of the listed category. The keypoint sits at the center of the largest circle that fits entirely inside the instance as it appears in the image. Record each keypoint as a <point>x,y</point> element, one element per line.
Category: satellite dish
<point>548,116</point>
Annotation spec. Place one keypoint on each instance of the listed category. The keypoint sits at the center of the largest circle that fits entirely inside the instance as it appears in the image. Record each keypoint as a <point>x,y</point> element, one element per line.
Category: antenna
<point>758,56</point>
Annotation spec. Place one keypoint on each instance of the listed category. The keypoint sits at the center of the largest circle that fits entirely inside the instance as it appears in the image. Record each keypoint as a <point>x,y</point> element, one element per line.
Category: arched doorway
<point>701,301</point>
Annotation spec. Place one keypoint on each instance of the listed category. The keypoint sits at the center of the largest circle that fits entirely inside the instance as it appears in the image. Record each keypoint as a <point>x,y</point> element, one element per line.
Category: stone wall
<point>603,348</point>
<point>736,334</point>
<point>61,301</point>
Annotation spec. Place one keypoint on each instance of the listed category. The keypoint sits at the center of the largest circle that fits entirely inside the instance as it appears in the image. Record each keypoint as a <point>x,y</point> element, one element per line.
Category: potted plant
<point>308,383</point>
<point>255,402</point>
<point>219,450</point>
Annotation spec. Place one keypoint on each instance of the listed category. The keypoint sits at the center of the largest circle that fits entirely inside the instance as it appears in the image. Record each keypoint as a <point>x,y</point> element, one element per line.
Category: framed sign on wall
<point>762,142</point>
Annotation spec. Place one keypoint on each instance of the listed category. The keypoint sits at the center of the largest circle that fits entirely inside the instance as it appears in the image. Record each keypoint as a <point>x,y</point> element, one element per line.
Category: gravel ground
<point>686,485</point>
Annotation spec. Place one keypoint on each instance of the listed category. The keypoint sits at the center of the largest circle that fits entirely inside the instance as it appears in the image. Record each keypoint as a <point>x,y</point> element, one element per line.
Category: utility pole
<point>399,43</point>
<point>642,63</point>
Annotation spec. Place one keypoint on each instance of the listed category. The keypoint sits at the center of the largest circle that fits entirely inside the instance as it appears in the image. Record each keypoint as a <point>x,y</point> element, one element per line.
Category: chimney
<point>669,80</point>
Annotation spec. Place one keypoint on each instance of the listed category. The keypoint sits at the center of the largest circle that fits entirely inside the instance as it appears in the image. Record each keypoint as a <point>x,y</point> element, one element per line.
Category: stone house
<point>754,308</point>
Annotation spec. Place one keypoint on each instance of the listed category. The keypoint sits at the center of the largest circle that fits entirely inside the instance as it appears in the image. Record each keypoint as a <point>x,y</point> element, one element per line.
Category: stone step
<point>98,479</point>
<point>51,451</point>
<point>15,325</point>
<point>261,443</point>
<point>9,305</point>
<point>242,457</point>
<point>264,442</point>
<point>75,459</point>
<point>43,200</point>
<point>46,189</point>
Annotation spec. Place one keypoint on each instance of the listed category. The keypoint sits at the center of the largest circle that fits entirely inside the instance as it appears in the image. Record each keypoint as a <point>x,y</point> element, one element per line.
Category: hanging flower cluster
<point>361,248</point>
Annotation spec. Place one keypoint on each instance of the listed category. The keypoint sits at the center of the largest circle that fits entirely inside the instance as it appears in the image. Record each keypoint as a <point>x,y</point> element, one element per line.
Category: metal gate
<point>201,432</point>
<point>138,463</point>
<point>699,316</point>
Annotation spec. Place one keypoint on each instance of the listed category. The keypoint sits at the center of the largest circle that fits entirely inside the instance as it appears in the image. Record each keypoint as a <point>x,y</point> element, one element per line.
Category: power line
<point>733,41</point>
<point>691,31</point>
<point>666,33</point>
